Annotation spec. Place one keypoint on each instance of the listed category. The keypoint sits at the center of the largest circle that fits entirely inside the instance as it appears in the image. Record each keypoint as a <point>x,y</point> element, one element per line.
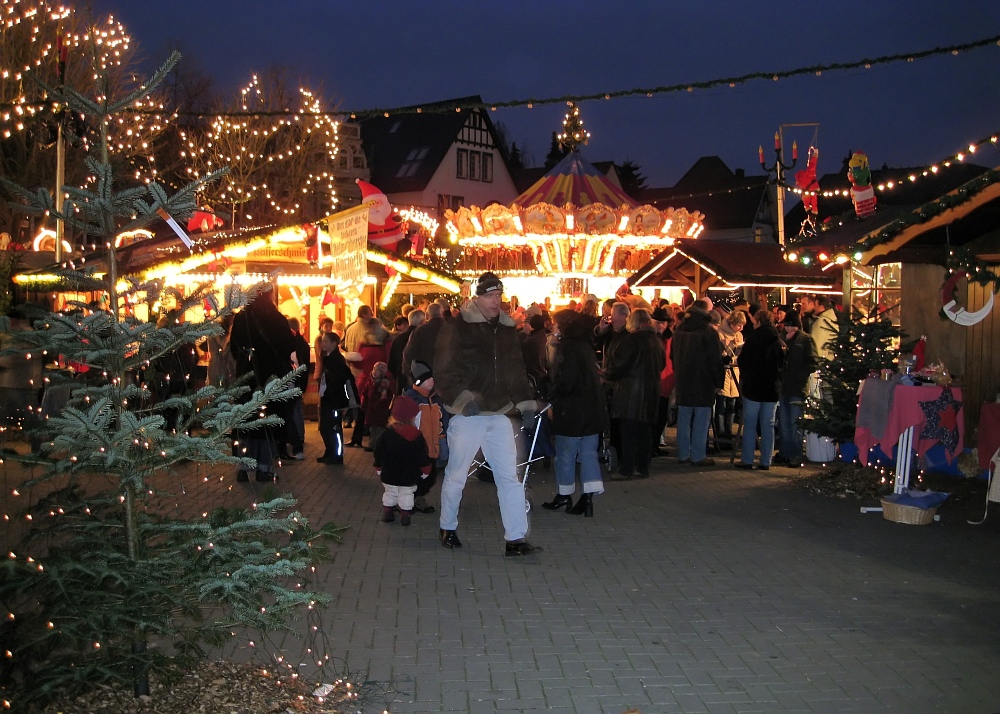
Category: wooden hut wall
<point>919,315</point>
<point>981,380</point>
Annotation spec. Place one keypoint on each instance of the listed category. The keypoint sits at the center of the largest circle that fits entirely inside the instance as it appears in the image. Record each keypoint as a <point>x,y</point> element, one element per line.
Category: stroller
<point>480,466</point>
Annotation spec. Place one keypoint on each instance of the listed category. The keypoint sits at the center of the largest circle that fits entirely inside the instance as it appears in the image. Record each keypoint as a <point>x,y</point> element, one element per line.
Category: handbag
<point>607,456</point>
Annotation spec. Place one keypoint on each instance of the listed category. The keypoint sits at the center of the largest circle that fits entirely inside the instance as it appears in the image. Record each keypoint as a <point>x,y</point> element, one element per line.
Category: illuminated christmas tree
<point>573,135</point>
<point>102,571</point>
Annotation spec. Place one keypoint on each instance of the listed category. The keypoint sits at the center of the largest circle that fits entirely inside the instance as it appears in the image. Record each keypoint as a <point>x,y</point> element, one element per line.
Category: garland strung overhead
<point>445,107</point>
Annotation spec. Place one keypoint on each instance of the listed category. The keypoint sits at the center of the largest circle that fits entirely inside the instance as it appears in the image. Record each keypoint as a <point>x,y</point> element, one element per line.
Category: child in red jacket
<point>401,460</point>
<point>375,401</point>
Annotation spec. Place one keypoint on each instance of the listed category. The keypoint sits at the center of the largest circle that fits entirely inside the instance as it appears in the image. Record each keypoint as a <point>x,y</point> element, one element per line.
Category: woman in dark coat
<point>634,373</point>
<point>760,362</point>
<point>261,343</point>
<point>579,415</point>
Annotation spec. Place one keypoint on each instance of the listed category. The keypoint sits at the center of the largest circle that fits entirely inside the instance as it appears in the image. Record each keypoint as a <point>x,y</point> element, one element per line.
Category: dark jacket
<point>533,349</point>
<point>401,455</point>
<point>696,351</point>
<point>800,362</point>
<point>606,342</point>
<point>395,361</point>
<point>760,363</point>
<point>337,375</point>
<point>636,364</point>
<point>480,361</point>
<point>578,404</point>
<point>421,345</point>
<point>302,354</point>
<point>261,341</point>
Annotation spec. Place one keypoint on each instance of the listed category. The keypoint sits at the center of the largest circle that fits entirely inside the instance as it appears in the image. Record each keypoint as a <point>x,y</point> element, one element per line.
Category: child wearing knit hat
<point>401,460</point>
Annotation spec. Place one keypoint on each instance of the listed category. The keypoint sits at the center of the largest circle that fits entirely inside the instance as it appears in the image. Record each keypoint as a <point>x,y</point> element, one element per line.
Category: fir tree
<point>516,158</point>
<point>103,572</point>
<point>633,182</point>
<point>556,153</point>
<point>859,349</point>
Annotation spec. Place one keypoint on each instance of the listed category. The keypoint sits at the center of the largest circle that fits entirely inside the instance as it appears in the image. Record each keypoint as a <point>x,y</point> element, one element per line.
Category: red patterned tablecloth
<point>906,412</point>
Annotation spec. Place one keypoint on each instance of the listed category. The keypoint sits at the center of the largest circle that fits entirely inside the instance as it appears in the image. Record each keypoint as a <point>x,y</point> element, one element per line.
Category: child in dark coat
<point>401,460</point>
<point>376,400</point>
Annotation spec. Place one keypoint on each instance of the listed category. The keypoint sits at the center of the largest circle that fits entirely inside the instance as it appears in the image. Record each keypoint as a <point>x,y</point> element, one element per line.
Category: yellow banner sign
<point>348,231</point>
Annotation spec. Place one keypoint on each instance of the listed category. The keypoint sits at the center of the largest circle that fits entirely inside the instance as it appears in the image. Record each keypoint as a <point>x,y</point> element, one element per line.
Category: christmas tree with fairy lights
<point>860,348</point>
<point>573,135</point>
<point>103,584</point>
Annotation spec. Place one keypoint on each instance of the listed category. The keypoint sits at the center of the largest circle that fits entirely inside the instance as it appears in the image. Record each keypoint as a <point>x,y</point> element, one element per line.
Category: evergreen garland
<point>104,587</point>
<point>859,349</point>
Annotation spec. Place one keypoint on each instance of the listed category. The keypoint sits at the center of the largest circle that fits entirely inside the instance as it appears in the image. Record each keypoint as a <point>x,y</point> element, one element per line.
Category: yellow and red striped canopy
<point>574,180</point>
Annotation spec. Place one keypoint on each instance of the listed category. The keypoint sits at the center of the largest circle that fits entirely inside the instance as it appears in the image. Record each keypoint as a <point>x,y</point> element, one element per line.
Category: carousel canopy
<point>574,180</point>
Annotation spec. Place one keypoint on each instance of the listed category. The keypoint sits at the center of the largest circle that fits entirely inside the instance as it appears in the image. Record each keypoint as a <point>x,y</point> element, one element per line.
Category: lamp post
<point>778,168</point>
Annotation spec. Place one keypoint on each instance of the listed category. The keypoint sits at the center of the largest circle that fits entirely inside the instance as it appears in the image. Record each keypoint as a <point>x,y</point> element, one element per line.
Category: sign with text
<point>348,232</point>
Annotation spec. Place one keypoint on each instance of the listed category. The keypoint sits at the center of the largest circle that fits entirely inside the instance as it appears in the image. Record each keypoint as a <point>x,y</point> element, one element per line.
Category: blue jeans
<point>754,412</point>
<point>789,436</point>
<point>692,432</point>
<point>571,450</point>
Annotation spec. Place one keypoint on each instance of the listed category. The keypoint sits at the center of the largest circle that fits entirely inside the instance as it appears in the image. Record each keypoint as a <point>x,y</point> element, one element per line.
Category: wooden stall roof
<point>725,265</point>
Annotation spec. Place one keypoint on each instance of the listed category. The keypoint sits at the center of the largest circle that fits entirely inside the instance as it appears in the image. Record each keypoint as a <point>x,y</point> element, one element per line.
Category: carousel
<point>572,233</point>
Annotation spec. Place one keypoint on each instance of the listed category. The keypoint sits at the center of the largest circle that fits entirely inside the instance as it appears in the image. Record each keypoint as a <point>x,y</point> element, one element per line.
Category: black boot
<point>558,502</point>
<point>585,506</point>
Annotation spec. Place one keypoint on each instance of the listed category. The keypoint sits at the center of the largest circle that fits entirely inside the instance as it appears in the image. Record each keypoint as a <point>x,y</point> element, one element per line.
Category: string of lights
<point>731,82</point>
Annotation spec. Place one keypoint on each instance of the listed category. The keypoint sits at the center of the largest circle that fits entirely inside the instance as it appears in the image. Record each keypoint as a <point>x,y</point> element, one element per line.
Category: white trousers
<point>495,435</point>
<point>401,496</point>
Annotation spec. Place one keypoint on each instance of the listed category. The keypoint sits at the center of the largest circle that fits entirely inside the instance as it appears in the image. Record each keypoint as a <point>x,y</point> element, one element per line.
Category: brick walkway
<point>692,591</point>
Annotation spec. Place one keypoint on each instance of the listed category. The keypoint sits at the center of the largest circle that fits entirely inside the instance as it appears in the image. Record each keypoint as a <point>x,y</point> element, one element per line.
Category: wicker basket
<point>910,515</point>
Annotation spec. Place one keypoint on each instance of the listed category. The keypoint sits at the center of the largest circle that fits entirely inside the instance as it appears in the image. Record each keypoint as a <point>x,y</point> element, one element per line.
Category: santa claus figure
<point>385,228</point>
<point>204,219</point>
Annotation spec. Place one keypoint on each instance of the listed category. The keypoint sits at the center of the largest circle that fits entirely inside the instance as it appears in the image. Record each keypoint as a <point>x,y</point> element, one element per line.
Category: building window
<point>876,290</point>
<point>413,161</point>
<point>487,168</point>
<point>474,165</point>
<point>462,168</point>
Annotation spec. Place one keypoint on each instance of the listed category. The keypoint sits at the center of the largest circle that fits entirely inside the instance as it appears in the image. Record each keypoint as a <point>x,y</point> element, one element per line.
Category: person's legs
<point>630,445</point>
<point>567,448</point>
<point>685,415</point>
<point>662,417</point>
<point>498,448</point>
<point>767,410</point>
<point>359,429</point>
<point>643,447</point>
<point>297,428</point>
<point>465,434</point>
<point>751,414</point>
<point>699,433</point>
<point>326,433</point>
<point>590,465</point>
<point>719,417</point>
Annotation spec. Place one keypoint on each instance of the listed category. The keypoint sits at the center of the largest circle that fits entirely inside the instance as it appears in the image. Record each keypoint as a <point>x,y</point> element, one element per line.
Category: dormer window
<point>413,161</point>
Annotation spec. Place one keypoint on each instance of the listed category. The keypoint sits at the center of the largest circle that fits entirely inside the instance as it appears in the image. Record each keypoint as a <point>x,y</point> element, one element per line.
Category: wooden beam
<point>988,194</point>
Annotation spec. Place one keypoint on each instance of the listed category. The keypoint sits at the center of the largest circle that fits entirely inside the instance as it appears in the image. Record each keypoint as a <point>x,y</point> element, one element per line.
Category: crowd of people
<point>449,388</point>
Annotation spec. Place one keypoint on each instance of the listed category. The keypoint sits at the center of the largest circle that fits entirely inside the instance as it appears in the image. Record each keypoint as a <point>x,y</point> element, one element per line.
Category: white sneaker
<point>299,456</point>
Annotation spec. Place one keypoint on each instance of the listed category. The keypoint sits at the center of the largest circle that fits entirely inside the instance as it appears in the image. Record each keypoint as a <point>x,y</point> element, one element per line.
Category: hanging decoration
<point>806,181</point>
<point>961,264</point>
<point>573,135</point>
<point>862,193</point>
<point>205,220</point>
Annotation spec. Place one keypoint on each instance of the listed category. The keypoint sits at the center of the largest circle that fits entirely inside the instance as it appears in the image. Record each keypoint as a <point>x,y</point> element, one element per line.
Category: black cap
<point>421,372</point>
<point>488,283</point>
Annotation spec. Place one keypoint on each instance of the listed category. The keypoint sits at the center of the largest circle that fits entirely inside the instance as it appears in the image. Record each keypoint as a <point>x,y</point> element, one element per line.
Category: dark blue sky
<point>375,54</point>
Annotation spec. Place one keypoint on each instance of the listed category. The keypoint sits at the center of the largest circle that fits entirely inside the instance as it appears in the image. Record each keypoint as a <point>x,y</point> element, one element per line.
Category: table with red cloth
<point>908,424</point>
<point>989,433</point>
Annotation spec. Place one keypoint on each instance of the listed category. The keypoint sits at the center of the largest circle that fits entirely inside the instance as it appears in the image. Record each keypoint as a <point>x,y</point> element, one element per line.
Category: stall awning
<point>702,265</point>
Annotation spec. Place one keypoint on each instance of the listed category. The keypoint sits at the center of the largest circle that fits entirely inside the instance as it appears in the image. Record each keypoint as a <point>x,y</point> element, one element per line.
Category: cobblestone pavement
<point>710,590</point>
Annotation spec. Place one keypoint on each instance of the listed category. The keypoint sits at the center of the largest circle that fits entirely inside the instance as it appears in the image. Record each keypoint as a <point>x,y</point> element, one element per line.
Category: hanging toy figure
<point>862,192</point>
<point>806,180</point>
<point>311,242</point>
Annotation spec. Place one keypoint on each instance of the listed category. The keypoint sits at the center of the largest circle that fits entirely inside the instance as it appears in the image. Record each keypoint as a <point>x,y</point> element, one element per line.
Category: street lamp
<point>778,168</point>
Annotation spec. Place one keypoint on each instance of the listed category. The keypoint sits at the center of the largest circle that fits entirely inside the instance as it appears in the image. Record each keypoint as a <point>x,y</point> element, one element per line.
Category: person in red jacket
<point>401,461</point>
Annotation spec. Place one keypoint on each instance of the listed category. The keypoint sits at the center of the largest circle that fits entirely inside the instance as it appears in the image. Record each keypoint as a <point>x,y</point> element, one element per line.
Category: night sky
<point>382,54</point>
